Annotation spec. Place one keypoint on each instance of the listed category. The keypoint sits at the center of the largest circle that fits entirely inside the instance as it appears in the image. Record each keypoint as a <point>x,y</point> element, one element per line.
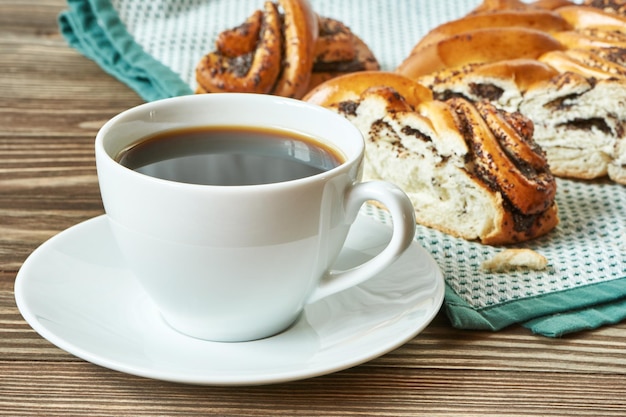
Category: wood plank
<point>359,391</point>
<point>600,352</point>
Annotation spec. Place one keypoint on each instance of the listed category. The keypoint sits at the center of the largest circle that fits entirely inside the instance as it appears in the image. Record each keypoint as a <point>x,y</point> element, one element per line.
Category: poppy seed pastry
<point>470,170</point>
<point>285,49</point>
<point>579,121</point>
<point>571,85</point>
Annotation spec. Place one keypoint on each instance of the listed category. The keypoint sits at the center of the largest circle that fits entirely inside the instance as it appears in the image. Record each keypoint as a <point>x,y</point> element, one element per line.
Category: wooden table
<point>52,101</point>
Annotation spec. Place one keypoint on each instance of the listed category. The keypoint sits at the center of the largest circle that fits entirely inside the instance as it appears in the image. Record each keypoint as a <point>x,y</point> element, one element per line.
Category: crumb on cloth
<point>513,259</point>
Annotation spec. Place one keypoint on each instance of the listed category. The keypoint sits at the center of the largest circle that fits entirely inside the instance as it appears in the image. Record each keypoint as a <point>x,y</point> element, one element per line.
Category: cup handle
<point>403,218</point>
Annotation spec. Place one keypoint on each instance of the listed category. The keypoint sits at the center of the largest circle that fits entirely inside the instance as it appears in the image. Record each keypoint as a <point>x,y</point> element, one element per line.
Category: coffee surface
<point>229,156</point>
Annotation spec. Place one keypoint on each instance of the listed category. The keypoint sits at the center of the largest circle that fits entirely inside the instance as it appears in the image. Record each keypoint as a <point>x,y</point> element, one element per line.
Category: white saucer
<point>75,291</point>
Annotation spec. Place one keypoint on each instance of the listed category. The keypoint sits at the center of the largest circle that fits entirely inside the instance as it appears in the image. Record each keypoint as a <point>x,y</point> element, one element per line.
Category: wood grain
<point>52,102</point>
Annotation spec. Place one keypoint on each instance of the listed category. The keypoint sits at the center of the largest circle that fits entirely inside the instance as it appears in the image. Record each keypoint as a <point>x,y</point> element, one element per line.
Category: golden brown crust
<point>536,19</point>
<point>596,64</point>
<point>595,47</point>
<point>588,38</point>
<point>351,86</point>
<point>585,17</point>
<point>495,5</point>
<point>478,46</point>
<point>550,4</point>
<point>300,35</point>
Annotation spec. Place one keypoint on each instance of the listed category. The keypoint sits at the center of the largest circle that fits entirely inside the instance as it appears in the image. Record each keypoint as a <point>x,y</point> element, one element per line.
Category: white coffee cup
<point>237,263</point>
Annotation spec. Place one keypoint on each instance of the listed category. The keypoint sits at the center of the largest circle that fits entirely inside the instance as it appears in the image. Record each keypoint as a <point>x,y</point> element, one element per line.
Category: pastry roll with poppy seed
<point>571,82</point>
<point>579,119</point>
<point>471,170</point>
<point>285,49</point>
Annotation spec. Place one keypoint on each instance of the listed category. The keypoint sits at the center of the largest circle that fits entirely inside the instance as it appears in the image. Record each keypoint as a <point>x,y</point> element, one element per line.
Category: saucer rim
<point>436,286</point>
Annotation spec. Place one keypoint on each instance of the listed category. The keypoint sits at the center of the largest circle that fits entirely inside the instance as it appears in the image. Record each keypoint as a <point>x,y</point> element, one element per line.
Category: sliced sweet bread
<point>571,84</point>
<point>579,120</point>
<point>471,170</point>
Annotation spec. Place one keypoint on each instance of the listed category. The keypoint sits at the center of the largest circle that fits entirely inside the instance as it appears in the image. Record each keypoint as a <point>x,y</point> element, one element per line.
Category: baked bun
<point>573,90</point>
<point>471,170</point>
<point>286,49</point>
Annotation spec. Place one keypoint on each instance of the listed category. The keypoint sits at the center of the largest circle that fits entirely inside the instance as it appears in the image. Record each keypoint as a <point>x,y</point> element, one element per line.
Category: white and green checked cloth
<point>153,47</point>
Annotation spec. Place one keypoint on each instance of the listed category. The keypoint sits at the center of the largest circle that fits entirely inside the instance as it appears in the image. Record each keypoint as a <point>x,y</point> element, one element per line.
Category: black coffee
<point>229,156</point>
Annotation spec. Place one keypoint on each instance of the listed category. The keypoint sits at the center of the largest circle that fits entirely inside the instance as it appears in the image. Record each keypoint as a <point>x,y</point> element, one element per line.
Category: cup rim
<point>349,160</point>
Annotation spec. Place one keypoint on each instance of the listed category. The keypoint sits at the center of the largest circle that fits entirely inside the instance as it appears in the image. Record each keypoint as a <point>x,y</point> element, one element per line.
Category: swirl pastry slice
<point>471,170</point>
<point>285,50</point>
<point>578,116</point>
<point>573,90</point>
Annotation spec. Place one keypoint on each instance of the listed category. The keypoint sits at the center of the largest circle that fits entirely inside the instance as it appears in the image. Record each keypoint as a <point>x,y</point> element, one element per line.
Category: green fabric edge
<point>94,28</point>
<point>574,321</point>
<point>551,315</point>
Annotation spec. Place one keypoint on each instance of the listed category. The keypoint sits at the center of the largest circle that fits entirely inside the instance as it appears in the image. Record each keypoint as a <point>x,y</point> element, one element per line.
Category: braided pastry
<point>283,54</point>
<point>470,170</point>
<point>571,86</point>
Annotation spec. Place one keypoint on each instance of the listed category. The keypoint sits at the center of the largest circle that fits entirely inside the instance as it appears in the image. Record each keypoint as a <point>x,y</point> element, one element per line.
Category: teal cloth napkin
<point>94,28</point>
<point>154,45</point>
